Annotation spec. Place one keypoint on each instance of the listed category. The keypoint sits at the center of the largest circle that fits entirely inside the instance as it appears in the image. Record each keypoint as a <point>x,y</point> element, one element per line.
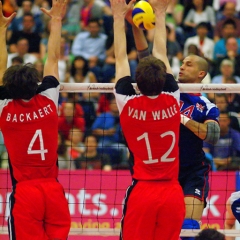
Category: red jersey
<point>151,129</point>
<point>30,131</point>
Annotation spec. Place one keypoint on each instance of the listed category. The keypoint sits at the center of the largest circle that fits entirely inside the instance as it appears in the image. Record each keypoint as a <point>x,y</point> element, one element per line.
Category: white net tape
<point>185,88</point>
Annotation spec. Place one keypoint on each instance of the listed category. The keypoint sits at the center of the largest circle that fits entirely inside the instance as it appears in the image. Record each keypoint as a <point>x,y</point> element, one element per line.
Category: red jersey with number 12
<point>151,128</point>
<point>30,131</point>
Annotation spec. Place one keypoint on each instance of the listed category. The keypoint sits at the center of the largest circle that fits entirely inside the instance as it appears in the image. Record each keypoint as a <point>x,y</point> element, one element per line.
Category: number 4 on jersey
<point>42,151</point>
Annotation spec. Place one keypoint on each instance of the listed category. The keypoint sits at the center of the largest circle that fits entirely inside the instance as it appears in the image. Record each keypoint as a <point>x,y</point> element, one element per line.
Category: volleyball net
<point>95,197</point>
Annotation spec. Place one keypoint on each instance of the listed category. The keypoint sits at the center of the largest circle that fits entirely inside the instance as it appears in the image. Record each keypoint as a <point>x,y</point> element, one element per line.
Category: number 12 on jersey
<point>164,157</point>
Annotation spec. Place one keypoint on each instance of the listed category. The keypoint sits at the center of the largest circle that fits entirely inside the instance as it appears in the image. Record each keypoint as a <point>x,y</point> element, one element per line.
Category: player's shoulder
<point>4,93</point>
<point>171,85</point>
<point>124,86</point>
<point>207,102</point>
<point>234,196</point>
<point>48,82</point>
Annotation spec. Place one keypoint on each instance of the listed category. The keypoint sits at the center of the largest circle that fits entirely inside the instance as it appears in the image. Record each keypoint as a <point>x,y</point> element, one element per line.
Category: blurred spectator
<point>75,146</point>
<point>64,60</point>
<point>199,12</point>
<point>108,70</point>
<point>71,21</point>
<point>228,29</point>
<point>44,39</point>
<point>27,32</point>
<point>95,9</point>
<point>233,98</point>
<point>91,45</point>
<point>174,52</point>
<point>42,4</point>
<point>17,61</point>
<point>226,72</point>
<point>174,18</point>
<point>104,101</point>
<point>232,49</point>
<point>107,129</point>
<point>226,152</point>
<point>27,7</point>
<point>218,6</point>
<point>39,66</point>
<point>71,115</point>
<point>229,13</point>
<point>80,73</point>
<point>202,41</point>
<point>91,158</point>
<point>221,100</point>
<point>22,47</point>
<point>63,162</point>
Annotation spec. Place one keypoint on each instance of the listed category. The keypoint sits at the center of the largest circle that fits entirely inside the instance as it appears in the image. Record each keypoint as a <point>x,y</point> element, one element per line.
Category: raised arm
<point>160,36</point>
<point>56,13</point>
<point>4,22</point>
<point>139,37</point>
<point>119,9</point>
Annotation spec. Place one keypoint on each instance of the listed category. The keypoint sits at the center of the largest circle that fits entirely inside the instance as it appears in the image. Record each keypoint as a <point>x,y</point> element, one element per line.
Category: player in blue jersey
<point>199,121</point>
<point>232,212</point>
<point>199,118</point>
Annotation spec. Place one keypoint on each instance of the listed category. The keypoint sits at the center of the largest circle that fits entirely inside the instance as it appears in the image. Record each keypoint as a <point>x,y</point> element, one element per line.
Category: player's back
<point>30,133</point>
<point>151,128</point>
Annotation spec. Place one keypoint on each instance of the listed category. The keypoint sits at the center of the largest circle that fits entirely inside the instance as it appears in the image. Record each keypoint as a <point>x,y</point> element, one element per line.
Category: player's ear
<point>202,74</point>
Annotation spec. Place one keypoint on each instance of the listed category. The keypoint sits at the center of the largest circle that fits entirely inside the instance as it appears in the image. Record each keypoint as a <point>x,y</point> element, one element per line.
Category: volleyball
<point>143,15</point>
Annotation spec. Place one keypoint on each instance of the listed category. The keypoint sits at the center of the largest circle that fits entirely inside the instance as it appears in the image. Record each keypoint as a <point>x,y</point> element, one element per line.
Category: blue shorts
<point>194,180</point>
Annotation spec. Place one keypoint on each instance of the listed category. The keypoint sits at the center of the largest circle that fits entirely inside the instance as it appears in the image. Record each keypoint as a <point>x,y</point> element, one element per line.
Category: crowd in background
<point>89,131</point>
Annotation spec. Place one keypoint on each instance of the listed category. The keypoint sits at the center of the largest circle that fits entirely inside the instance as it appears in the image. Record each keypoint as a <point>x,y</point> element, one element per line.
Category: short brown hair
<point>150,76</point>
<point>21,81</point>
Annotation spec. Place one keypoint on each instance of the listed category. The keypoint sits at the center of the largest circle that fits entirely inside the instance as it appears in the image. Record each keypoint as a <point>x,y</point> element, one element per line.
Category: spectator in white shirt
<point>22,51</point>
<point>202,41</point>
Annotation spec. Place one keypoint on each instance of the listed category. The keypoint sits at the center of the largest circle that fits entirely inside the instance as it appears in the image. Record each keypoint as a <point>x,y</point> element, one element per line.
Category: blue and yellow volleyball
<point>143,15</point>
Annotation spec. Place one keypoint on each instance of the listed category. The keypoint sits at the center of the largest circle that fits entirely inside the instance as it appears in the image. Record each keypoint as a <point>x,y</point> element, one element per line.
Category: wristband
<point>143,53</point>
<point>184,119</point>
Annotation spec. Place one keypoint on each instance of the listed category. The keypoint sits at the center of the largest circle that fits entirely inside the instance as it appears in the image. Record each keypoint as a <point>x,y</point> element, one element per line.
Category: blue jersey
<point>200,109</point>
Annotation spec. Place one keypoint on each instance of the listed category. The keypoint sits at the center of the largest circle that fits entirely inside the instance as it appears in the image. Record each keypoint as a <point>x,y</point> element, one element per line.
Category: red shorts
<point>153,210</point>
<point>39,211</point>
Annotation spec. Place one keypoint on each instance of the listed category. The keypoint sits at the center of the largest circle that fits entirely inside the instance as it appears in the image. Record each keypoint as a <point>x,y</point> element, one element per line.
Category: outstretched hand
<point>58,9</point>
<point>120,7</point>
<point>5,21</point>
<point>160,5</point>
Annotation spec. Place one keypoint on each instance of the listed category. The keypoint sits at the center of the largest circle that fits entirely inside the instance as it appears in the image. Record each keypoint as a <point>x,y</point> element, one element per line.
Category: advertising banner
<point>95,199</point>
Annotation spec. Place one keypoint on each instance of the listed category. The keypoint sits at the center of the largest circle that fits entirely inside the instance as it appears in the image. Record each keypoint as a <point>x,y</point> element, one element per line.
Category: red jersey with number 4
<point>151,128</point>
<point>30,132</point>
